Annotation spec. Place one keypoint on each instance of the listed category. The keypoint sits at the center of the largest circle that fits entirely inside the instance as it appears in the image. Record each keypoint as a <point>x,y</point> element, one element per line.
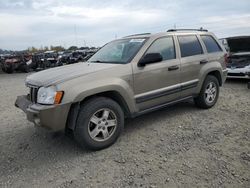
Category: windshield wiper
<point>109,62</point>
<point>98,61</point>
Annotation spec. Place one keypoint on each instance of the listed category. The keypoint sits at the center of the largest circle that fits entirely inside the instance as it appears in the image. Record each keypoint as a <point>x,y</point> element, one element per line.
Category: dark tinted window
<point>189,45</point>
<point>164,46</point>
<point>211,44</point>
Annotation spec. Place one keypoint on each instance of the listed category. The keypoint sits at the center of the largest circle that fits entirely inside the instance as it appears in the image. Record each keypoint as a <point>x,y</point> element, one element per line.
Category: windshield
<point>118,51</point>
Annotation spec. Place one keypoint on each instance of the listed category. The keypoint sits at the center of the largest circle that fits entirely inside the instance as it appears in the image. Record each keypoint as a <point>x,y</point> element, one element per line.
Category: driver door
<point>158,83</point>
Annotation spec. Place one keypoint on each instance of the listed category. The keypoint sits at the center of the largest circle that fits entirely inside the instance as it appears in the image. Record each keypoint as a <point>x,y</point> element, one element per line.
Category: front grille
<point>33,94</point>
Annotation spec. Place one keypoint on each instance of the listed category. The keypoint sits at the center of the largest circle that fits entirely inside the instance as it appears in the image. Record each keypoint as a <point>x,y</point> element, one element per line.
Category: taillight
<point>226,58</point>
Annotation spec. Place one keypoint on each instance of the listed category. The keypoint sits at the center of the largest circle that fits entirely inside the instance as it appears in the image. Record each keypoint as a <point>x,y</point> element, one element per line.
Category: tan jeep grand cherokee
<point>126,78</point>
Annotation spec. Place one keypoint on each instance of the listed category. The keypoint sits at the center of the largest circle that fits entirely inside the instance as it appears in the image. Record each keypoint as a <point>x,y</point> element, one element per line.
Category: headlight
<point>49,95</point>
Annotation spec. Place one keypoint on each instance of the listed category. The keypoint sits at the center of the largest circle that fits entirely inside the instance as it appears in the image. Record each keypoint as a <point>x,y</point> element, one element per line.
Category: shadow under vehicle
<point>238,56</point>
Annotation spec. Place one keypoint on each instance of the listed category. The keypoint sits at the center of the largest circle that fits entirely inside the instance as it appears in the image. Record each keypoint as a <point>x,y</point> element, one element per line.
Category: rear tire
<point>25,68</point>
<point>209,93</point>
<point>99,123</point>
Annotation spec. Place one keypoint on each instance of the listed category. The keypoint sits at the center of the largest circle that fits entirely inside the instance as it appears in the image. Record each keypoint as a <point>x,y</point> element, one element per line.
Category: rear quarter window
<point>211,44</point>
<point>189,45</point>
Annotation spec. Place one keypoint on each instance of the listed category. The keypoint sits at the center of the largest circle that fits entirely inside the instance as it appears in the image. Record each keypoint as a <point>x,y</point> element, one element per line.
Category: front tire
<point>209,93</point>
<point>99,124</point>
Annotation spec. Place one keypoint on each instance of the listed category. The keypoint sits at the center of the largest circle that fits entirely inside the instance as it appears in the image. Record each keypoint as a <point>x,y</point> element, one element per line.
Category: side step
<point>160,106</point>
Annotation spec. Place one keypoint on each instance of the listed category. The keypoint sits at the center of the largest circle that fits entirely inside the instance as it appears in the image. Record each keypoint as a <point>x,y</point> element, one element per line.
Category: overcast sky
<point>25,23</point>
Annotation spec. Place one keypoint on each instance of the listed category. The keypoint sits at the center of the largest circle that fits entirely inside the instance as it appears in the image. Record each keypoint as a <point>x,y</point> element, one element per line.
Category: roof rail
<point>137,35</point>
<point>201,29</point>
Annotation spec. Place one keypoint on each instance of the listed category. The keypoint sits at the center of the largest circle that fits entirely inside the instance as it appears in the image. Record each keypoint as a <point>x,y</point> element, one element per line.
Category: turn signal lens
<point>58,97</point>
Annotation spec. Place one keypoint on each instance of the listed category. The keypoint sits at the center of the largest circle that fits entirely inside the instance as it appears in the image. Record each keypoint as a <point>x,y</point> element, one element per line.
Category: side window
<point>211,44</point>
<point>164,46</point>
<point>189,45</point>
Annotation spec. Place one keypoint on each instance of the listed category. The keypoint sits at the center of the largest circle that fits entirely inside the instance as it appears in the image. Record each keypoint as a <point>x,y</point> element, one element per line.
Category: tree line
<point>56,48</point>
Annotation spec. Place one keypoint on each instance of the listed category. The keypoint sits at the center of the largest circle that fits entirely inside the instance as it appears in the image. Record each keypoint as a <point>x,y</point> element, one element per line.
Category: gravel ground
<point>180,146</point>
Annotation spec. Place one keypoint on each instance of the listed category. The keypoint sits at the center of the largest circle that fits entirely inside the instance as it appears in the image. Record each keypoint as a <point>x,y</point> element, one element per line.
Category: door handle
<point>176,67</point>
<point>204,61</point>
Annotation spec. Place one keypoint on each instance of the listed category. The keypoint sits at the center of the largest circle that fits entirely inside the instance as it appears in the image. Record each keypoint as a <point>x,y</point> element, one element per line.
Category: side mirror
<point>150,58</point>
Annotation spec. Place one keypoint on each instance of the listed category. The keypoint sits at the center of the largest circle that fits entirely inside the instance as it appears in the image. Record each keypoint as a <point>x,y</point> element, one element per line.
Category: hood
<point>239,44</point>
<point>242,54</point>
<point>60,74</point>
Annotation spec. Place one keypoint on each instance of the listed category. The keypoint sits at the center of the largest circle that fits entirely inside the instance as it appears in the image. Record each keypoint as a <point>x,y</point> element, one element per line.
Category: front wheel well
<point>217,75</point>
<point>114,95</point>
<point>75,107</point>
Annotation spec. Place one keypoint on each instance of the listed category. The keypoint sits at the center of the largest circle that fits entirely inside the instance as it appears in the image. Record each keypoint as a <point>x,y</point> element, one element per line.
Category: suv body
<point>160,69</point>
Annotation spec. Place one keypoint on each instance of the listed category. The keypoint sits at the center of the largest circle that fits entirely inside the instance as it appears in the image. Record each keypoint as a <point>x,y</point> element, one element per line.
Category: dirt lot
<point>181,146</point>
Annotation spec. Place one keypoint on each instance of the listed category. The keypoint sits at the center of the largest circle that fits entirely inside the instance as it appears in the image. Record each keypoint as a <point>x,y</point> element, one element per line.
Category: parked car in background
<point>38,60</point>
<point>18,62</point>
<point>50,59</point>
<point>1,60</point>
<point>126,78</point>
<point>64,58</point>
<point>76,56</point>
<point>238,56</point>
<point>87,57</point>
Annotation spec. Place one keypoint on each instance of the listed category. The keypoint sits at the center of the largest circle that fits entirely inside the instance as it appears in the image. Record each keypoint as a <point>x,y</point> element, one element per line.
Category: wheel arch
<point>75,107</point>
<point>216,74</point>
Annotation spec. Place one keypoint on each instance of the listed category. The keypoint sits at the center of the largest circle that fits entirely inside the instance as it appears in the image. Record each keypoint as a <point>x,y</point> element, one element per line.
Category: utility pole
<point>76,42</point>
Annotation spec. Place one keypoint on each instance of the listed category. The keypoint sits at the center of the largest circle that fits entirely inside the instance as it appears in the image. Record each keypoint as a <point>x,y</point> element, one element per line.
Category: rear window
<point>189,45</point>
<point>211,44</point>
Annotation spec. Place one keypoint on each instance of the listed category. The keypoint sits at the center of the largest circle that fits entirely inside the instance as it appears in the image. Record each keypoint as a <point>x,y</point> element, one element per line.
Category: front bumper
<point>238,73</point>
<point>53,117</point>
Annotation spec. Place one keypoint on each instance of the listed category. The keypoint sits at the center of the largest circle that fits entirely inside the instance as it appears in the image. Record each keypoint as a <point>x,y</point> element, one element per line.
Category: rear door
<point>192,60</point>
